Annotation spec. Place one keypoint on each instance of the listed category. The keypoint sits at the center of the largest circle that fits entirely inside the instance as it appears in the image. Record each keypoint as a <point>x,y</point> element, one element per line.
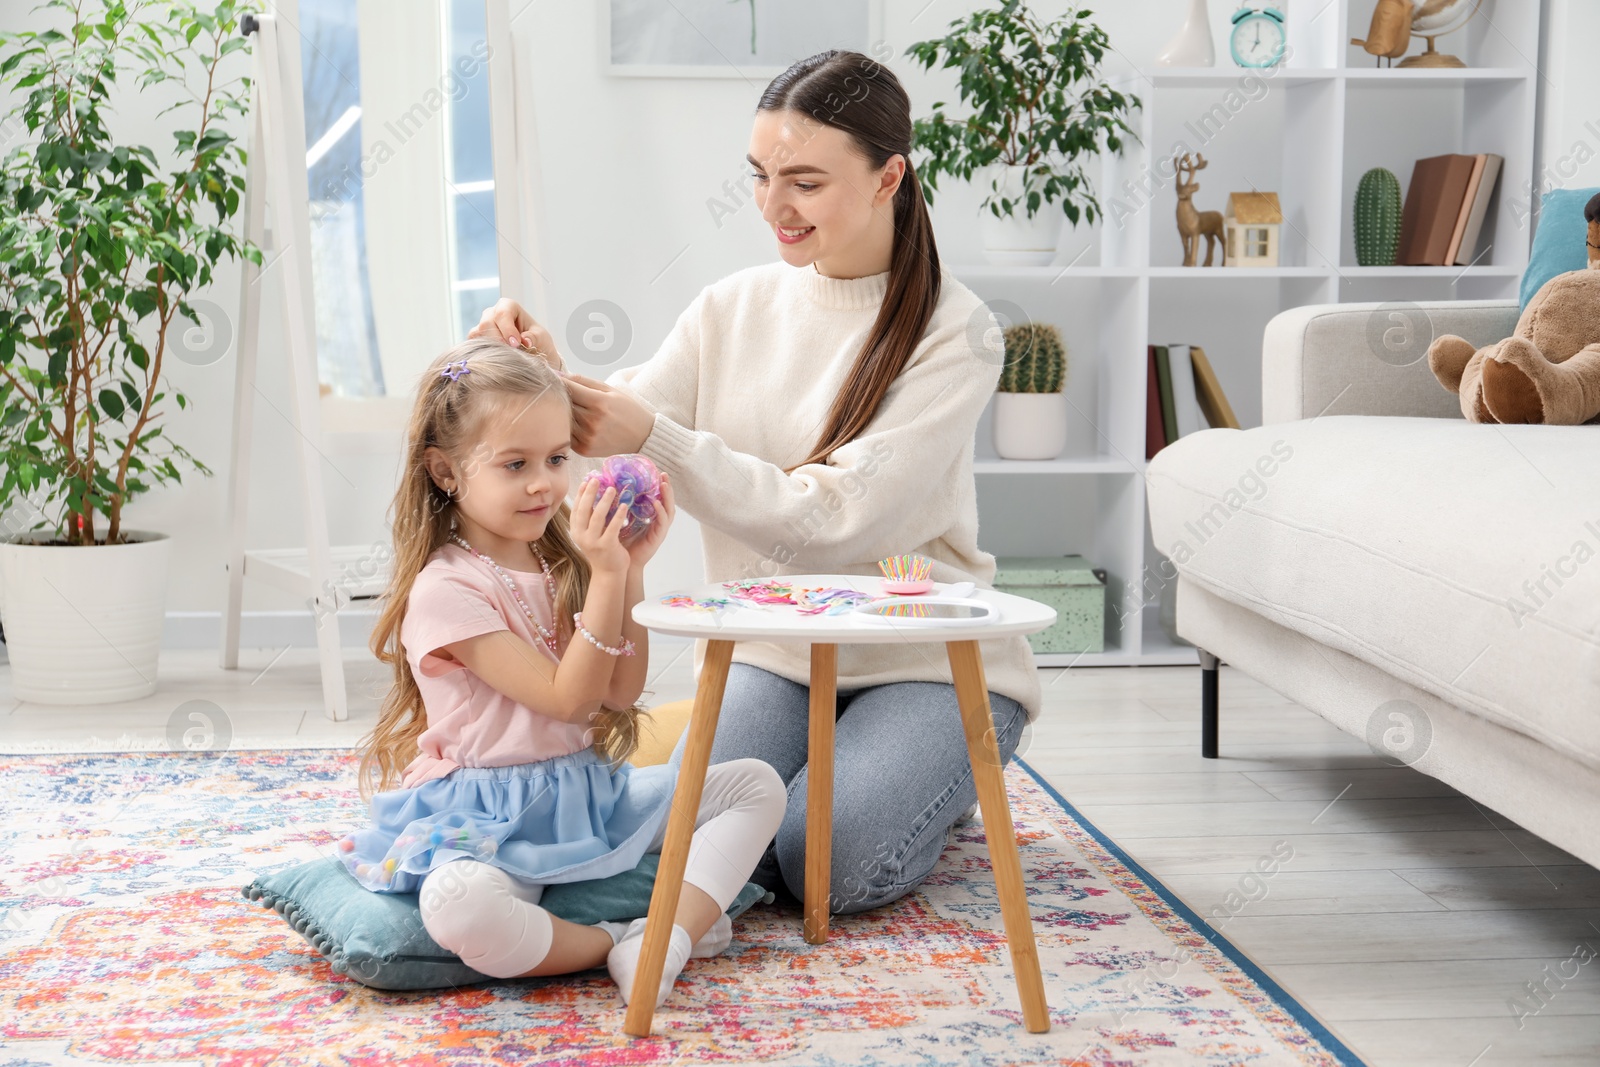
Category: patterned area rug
<point>124,938</point>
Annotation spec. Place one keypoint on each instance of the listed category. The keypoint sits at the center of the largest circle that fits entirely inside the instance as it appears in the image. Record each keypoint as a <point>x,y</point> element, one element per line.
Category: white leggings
<point>492,920</point>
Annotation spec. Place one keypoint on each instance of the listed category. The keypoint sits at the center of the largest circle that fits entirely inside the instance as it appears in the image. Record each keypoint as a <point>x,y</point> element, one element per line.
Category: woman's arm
<point>889,489</point>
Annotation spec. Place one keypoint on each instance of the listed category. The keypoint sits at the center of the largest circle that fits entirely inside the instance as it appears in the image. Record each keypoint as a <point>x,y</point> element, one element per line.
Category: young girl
<point>517,667</point>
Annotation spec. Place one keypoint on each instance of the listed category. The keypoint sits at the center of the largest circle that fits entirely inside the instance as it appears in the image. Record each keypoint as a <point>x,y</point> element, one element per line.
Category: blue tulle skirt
<point>565,819</point>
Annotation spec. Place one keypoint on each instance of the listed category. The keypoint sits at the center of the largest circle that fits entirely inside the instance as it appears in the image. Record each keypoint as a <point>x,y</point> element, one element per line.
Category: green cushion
<point>378,938</point>
<point>1560,241</point>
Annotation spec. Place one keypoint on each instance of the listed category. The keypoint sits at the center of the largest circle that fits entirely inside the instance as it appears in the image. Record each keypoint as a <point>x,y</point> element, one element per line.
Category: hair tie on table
<point>455,369</point>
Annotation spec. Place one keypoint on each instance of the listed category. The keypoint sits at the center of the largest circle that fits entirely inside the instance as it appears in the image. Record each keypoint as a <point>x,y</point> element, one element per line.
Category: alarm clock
<point>1258,37</point>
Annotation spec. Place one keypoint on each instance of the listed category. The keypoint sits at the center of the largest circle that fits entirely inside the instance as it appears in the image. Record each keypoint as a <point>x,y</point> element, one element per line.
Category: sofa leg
<point>1208,705</point>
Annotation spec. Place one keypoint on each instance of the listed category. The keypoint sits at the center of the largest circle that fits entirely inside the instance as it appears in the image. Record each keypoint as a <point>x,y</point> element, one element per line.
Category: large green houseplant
<point>1038,110</point>
<point>103,241</point>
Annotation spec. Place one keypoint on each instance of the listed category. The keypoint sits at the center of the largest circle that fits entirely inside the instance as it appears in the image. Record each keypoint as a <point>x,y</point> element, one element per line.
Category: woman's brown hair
<point>448,415</point>
<point>857,94</point>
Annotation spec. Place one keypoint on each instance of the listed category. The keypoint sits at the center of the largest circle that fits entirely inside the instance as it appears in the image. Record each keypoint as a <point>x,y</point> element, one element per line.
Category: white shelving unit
<point>1307,131</point>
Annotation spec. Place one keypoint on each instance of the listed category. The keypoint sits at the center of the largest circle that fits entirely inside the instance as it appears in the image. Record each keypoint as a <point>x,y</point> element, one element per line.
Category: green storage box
<point>1066,583</point>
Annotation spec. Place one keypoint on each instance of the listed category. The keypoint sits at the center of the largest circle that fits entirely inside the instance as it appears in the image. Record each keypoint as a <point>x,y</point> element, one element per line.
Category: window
<point>330,64</point>
<point>401,185</point>
<point>469,177</point>
<point>1255,242</point>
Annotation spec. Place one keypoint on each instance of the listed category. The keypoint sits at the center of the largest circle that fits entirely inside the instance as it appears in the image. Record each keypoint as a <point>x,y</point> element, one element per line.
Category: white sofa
<point>1422,582</point>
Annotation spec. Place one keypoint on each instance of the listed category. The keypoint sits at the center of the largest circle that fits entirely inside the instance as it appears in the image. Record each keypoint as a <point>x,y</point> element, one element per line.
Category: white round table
<point>824,633</point>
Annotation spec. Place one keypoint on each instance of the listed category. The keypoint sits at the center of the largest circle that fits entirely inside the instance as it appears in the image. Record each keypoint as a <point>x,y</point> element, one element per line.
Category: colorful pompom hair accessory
<point>638,486</point>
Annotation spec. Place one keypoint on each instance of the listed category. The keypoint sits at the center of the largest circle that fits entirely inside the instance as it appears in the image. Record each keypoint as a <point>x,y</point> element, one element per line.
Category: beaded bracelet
<point>625,650</point>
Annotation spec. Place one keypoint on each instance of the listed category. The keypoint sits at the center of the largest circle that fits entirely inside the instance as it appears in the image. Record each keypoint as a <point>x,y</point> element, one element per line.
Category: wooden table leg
<point>977,718</point>
<point>680,829</point>
<point>819,791</point>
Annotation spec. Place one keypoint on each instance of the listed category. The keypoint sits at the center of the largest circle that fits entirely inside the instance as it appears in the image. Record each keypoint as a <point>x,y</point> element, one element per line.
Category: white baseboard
<point>263,629</point>
<point>280,629</point>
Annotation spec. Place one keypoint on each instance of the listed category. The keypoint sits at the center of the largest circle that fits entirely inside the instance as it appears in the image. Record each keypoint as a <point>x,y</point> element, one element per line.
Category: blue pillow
<point>1559,240</point>
<point>378,938</point>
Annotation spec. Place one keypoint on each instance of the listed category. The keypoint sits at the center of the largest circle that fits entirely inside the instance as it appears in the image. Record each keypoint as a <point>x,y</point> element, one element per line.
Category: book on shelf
<point>1476,208</point>
<point>1213,401</point>
<point>1169,418</point>
<point>1155,434</point>
<point>1185,403</point>
<point>1445,195</point>
<point>1182,395</point>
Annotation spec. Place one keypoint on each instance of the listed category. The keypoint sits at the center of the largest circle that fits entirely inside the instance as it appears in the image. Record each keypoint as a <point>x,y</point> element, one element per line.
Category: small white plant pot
<point>83,623</point>
<point>1017,240</point>
<point>1030,425</point>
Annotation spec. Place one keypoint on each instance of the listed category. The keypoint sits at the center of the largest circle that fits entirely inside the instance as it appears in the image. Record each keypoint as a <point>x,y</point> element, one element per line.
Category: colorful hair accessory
<point>638,486</point>
<point>761,590</point>
<point>906,573</point>
<point>821,601</point>
<point>455,369</point>
<point>714,604</point>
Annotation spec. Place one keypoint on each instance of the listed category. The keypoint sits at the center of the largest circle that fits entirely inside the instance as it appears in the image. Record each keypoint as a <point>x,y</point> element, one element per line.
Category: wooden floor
<point>1409,919</point>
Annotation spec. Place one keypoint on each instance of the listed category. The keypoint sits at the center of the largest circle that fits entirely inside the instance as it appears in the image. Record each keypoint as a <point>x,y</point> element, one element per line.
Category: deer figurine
<point>1192,224</point>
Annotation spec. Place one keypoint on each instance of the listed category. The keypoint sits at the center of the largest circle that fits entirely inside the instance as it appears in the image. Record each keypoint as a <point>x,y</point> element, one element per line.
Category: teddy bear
<point>1548,371</point>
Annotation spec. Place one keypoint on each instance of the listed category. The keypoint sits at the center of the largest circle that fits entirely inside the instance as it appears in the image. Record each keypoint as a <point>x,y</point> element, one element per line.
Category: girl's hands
<point>642,547</point>
<point>599,540</point>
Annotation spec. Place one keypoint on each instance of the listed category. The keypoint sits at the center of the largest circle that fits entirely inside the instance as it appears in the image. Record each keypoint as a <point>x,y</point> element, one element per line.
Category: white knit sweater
<point>740,390</point>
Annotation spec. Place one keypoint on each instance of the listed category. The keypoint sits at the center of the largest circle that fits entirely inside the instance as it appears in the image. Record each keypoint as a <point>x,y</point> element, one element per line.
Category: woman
<point>817,415</point>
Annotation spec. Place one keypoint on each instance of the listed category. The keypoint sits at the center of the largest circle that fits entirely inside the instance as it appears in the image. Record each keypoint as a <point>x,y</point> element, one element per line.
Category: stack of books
<point>1444,209</point>
<point>1183,396</point>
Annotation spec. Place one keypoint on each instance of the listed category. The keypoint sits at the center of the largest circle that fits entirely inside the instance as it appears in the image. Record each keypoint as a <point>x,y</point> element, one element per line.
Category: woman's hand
<point>643,546</point>
<point>599,540</point>
<point>606,421</point>
<point>510,322</point>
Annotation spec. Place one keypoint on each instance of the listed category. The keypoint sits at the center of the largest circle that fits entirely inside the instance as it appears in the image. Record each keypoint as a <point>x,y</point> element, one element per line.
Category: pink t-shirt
<point>470,723</point>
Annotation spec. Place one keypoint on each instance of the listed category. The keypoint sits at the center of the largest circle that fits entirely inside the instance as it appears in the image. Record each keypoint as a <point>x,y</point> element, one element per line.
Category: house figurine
<point>1251,225</point>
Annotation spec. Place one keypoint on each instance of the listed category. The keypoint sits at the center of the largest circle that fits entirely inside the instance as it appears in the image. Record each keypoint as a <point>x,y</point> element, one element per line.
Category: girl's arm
<point>572,692</point>
<point>628,677</point>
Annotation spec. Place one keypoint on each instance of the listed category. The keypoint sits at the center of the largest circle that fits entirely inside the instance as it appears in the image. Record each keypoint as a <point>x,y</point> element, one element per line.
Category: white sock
<point>715,940</point>
<point>616,930</point>
<point>623,960</point>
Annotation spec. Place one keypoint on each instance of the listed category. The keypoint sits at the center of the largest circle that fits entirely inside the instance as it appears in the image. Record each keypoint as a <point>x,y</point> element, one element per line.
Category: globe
<point>1433,18</point>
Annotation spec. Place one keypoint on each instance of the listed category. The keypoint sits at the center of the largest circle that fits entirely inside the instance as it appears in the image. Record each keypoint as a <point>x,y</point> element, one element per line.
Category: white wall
<point>1570,127</point>
<point>630,170</point>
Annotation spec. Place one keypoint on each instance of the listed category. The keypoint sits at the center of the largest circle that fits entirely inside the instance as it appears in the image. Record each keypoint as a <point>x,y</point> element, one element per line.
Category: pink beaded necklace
<point>549,581</point>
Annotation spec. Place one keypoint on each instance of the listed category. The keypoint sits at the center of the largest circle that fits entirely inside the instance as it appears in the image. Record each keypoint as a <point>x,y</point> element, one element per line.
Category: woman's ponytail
<point>857,94</point>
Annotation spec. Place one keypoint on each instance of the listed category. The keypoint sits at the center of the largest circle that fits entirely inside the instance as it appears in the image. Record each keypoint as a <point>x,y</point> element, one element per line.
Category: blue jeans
<point>901,777</point>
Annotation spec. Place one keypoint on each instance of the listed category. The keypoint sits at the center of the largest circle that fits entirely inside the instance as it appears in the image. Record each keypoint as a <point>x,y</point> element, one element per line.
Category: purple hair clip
<point>455,369</point>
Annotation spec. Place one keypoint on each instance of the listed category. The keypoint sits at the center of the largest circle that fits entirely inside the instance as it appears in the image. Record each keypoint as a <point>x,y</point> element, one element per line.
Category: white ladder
<point>274,175</point>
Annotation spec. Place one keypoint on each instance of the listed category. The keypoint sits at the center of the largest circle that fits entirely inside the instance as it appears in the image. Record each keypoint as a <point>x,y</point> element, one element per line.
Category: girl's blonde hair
<point>447,415</point>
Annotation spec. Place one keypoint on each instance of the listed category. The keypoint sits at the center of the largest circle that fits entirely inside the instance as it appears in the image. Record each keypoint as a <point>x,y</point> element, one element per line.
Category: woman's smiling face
<point>822,198</point>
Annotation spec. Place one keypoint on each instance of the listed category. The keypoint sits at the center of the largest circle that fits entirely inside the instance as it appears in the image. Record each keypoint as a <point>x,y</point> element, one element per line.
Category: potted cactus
<point>1030,409</point>
<point>1377,218</point>
<point>103,244</point>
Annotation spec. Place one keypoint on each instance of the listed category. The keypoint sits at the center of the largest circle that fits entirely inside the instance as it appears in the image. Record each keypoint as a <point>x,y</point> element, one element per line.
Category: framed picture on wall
<point>752,39</point>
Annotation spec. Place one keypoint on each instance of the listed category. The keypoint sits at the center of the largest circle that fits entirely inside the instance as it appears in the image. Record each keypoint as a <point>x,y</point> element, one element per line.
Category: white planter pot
<point>1030,425</point>
<point>83,623</point>
<point>1018,241</point>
